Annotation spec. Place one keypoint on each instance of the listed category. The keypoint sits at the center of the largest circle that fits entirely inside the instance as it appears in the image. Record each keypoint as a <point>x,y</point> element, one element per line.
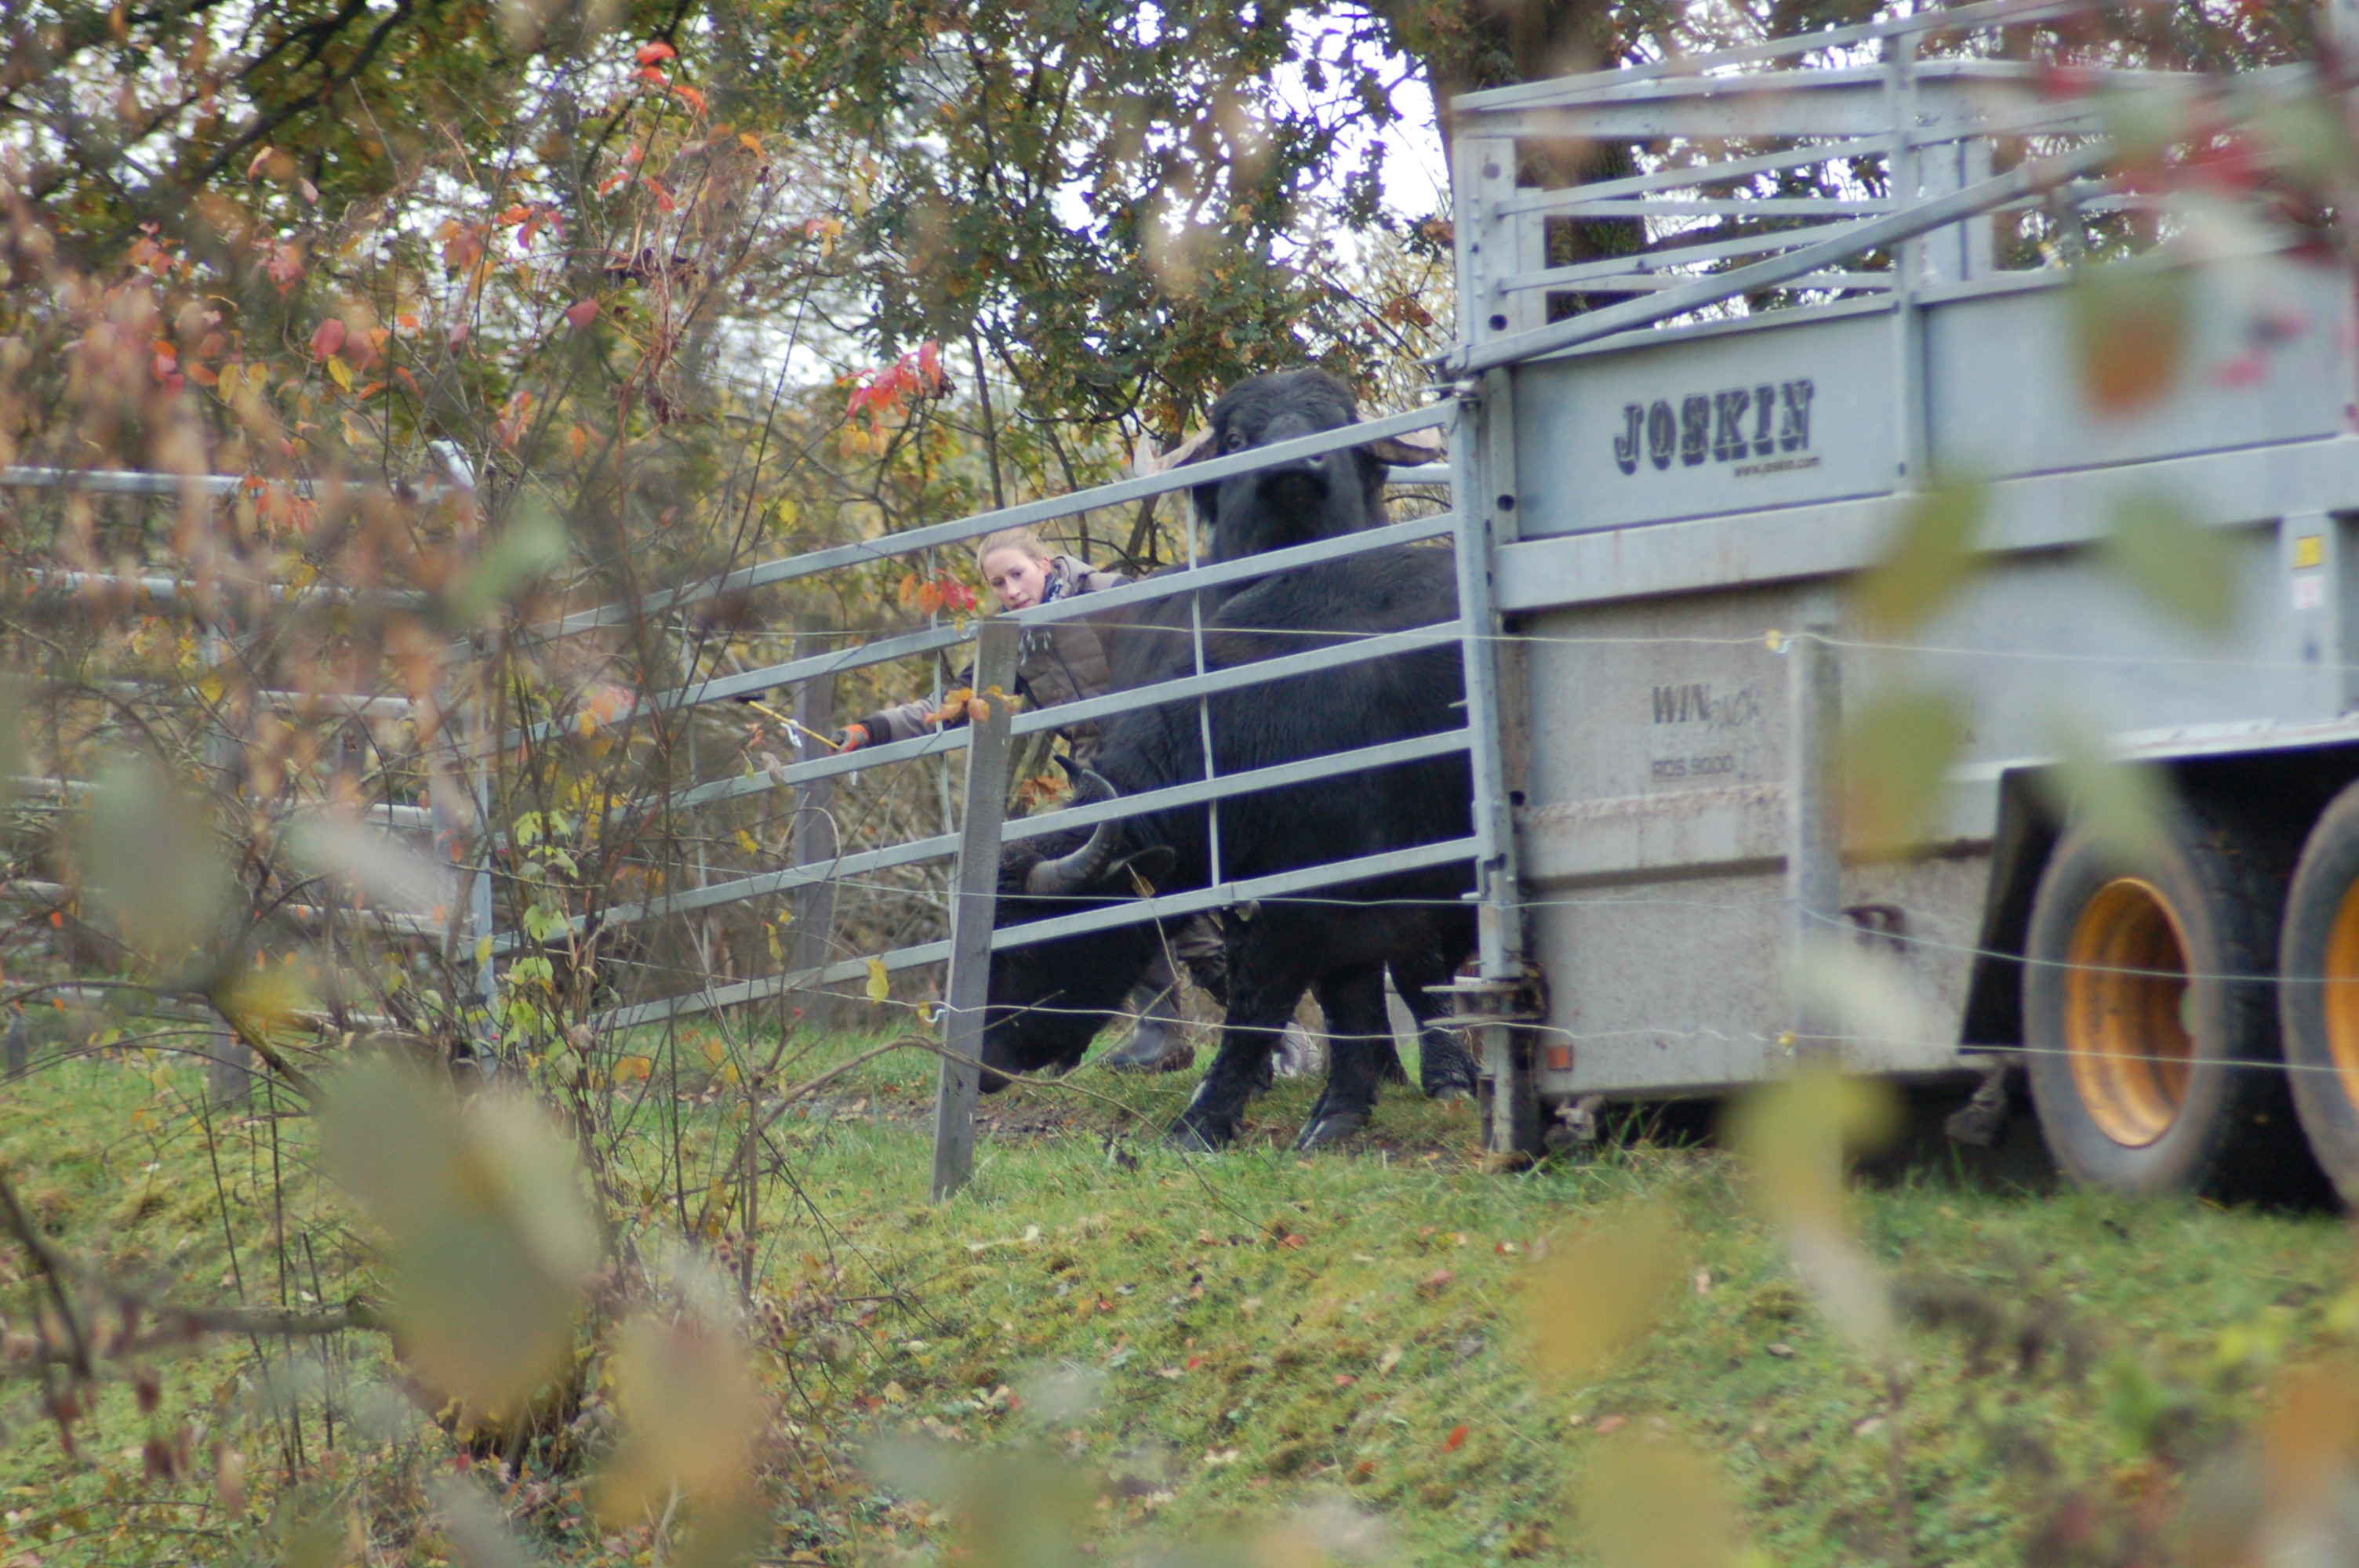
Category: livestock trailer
<point>1691,402</point>
<point>1852,269</point>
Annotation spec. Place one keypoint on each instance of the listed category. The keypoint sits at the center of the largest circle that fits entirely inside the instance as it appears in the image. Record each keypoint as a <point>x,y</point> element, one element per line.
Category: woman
<point>1064,661</point>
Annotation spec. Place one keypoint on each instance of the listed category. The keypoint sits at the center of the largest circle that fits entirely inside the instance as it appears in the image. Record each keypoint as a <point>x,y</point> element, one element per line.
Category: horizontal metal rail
<point>1310,768</point>
<point>745,682</point>
<point>1047,510</point>
<point>1356,650</point>
<point>1128,913</point>
<point>1657,283</point>
<point>1555,202</point>
<point>1736,207</point>
<point>2026,179</point>
<point>380,813</point>
<point>1991,13</point>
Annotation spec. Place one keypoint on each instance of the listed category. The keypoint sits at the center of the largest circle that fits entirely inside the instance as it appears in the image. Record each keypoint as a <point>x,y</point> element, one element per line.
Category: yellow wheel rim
<point>2342,997</point>
<point>2126,984</point>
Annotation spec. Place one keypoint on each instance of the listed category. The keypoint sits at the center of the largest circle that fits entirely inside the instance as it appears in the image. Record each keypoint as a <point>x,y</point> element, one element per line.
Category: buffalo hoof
<point>1447,1072</point>
<point>1190,1136</point>
<point>1202,1129</point>
<point>1330,1126</point>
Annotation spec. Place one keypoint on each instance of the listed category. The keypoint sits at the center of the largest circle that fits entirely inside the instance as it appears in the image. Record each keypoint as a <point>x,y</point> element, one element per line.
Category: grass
<point>1227,1342</point>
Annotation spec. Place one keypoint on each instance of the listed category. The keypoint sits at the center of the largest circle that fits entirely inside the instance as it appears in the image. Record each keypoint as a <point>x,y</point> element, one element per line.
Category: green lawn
<point>1215,1345</point>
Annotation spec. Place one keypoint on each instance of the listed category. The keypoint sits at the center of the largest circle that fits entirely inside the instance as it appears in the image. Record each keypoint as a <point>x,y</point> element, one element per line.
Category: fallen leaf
<point>1780,1348</point>
<point>1455,1441</point>
<point>1388,1360</point>
<point>1611,1423</point>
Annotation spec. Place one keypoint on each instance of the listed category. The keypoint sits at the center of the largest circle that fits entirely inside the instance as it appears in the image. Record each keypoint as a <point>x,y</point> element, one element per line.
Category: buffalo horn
<point>1069,874</point>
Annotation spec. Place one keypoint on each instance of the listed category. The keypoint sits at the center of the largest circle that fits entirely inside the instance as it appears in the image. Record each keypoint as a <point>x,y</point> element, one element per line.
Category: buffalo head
<point>1050,999</point>
<point>1297,501</point>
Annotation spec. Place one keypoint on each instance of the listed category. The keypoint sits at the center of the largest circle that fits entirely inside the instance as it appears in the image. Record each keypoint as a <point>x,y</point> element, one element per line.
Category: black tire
<point>2318,991</point>
<point>2150,1015</point>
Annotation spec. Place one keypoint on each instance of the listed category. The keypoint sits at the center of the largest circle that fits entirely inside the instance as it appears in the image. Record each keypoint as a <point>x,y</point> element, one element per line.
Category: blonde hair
<point>1022,539</point>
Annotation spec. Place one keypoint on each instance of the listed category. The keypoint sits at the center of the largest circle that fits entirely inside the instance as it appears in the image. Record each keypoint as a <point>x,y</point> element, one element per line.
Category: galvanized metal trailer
<point>1675,491</point>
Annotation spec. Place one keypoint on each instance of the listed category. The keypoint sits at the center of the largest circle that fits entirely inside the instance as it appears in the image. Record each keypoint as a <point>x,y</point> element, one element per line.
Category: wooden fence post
<point>974,897</point>
<point>815,843</point>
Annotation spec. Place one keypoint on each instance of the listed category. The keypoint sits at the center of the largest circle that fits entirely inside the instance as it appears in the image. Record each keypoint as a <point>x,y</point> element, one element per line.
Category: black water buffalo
<point>1309,498</point>
<point>1047,1000</point>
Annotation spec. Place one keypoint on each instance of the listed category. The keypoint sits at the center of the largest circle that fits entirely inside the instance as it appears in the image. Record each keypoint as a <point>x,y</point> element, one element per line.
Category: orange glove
<point>851,737</point>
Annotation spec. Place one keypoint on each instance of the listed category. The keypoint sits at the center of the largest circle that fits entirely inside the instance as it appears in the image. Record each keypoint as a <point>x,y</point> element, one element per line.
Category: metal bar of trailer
<point>1129,912</point>
<point>1991,13</point>
<point>1847,280</point>
<point>1047,510</point>
<point>916,850</point>
<point>724,688</point>
<point>1726,206</point>
<point>2023,181</point>
<point>1553,202</point>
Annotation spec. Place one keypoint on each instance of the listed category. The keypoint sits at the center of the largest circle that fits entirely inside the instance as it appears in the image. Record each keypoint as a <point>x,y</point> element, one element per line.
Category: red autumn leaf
<point>664,203</point>
<point>513,215</point>
<point>167,370</point>
<point>166,352</point>
<point>929,366</point>
<point>1344,1379</point>
<point>581,313</point>
<point>202,376</point>
<point>649,73</point>
<point>327,337</point>
<point>1193,1362</point>
<point>409,381</point>
<point>1455,1441</point>
<point>695,100</point>
<point>651,52</point>
<point>607,186</point>
<point>1291,1241</point>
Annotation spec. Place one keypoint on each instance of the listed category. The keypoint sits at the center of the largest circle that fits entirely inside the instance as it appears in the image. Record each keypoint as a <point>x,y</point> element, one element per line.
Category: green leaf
<point>2130,331</point>
<point>1897,751</point>
<point>1927,558</point>
<point>2183,568</point>
<point>2123,806</point>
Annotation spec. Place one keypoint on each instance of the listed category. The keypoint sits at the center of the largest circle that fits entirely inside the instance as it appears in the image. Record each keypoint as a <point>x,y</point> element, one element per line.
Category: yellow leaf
<point>712,1052</point>
<point>750,142</point>
<point>338,371</point>
<point>210,689</point>
<point>926,1013</point>
<point>586,721</point>
<point>745,842</point>
<point>633,1069</point>
<point>879,988</point>
<point>484,949</point>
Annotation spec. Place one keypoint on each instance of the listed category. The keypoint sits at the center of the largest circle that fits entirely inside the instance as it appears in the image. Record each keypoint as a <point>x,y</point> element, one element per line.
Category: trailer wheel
<point>2318,989</point>
<point>2149,1013</point>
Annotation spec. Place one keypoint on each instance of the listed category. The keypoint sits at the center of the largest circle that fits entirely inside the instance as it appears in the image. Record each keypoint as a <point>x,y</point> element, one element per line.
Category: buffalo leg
<point>1359,1035</point>
<point>1267,978</point>
<point>1446,1069</point>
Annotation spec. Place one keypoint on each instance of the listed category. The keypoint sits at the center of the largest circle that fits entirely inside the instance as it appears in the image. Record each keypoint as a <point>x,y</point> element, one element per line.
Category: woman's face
<point>1015,577</point>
